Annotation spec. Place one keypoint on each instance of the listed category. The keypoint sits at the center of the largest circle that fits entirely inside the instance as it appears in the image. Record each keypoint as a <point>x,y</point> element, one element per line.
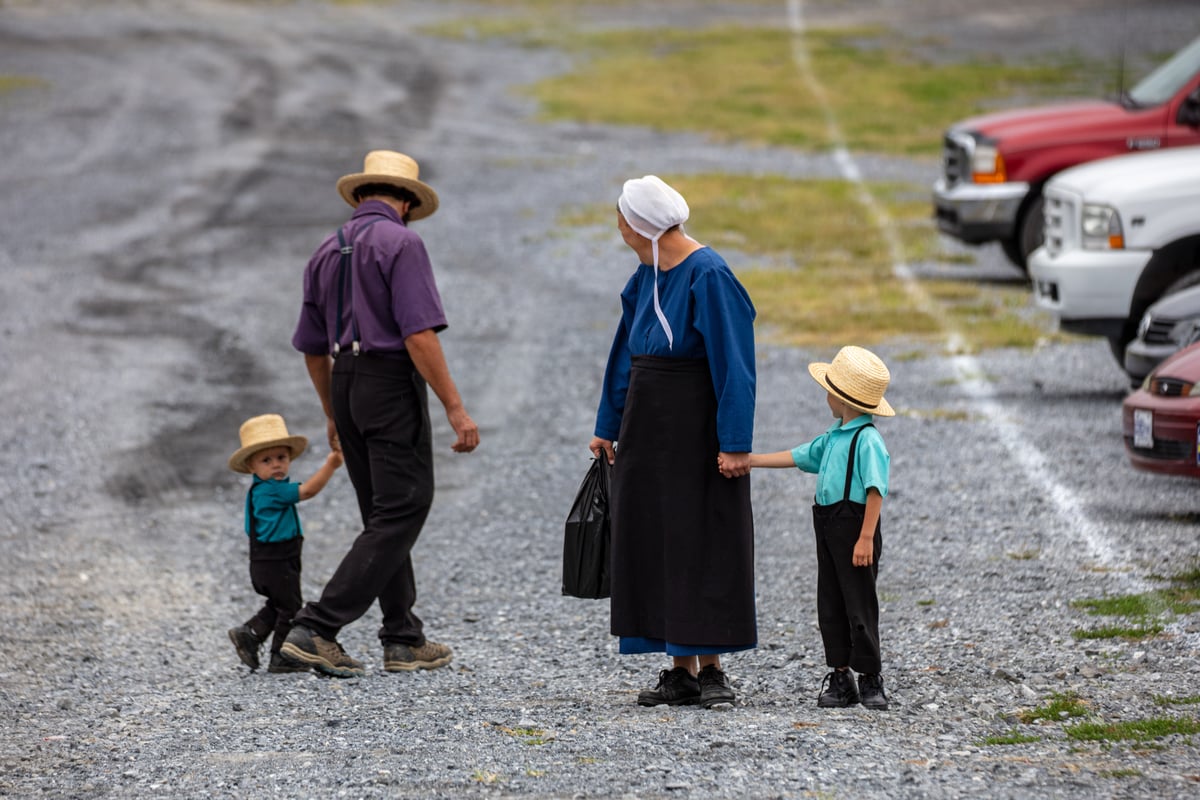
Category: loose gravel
<point>163,189</point>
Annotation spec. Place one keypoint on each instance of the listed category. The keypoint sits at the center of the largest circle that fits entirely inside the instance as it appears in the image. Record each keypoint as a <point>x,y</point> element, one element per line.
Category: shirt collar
<point>376,207</point>
<point>857,422</point>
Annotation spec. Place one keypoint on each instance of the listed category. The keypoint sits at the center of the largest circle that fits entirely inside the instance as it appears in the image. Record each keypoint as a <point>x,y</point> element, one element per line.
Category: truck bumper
<point>1088,290</point>
<point>978,213</point>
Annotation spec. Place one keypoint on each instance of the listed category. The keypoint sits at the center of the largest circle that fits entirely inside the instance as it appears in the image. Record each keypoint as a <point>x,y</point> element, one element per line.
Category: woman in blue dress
<point>678,395</point>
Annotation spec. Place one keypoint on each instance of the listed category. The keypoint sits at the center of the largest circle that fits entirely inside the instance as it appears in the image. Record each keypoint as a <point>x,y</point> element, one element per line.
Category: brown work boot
<point>303,645</point>
<point>405,658</point>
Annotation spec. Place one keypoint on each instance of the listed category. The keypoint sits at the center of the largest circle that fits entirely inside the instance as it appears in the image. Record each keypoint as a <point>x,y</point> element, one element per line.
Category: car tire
<point>1030,233</point>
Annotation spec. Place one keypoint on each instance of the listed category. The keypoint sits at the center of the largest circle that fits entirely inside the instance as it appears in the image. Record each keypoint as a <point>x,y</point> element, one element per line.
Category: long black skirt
<point>682,535</point>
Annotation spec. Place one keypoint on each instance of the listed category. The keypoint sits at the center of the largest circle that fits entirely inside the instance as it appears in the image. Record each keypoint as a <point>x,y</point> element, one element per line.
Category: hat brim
<point>424,192</point>
<point>237,461</point>
<point>818,371</point>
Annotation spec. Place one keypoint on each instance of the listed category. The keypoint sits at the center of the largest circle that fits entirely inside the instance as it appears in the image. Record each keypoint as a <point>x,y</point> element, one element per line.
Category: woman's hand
<point>605,446</point>
<point>733,465</point>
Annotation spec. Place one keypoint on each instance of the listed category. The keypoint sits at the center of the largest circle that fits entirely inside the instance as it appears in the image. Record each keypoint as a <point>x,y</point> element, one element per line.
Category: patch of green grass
<point>793,242</point>
<point>743,83</point>
<point>943,414</point>
<point>1144,611</point>
<point>13,83</point>
<point>1128,772</point>
<point>1028,554</point>
<point>485,777</point>
<point>926,602</point>
<point>1188,700</point>
<point>1014,737</point>
<point>1132,633</point>
<point>1060,706</point>
<point>530,736</point>
<point>1173,601</point>
<point>1135,730</point>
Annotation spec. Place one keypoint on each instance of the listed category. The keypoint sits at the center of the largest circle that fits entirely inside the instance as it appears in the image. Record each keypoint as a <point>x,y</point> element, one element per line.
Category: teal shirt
<point>828,455</point>
<point>272,505</point>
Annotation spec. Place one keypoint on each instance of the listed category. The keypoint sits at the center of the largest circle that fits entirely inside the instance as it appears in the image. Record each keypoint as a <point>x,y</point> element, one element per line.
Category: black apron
<point>682,534</point>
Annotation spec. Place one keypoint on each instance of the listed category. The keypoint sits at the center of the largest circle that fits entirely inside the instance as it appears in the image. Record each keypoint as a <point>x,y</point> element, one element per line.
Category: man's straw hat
<point>857,377</point>
<point>395,169</point>
<point>261,433</point>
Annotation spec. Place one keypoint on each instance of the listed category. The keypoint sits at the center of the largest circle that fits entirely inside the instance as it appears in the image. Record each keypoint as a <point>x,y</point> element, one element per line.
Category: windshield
<point>1161,85</point>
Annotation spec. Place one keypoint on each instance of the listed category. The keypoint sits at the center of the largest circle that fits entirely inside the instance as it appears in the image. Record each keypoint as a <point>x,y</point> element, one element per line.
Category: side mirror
<point>1189,110</point>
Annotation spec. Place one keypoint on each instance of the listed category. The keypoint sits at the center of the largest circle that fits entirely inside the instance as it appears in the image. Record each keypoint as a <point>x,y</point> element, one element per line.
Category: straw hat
<point>395,169</point>
<point>857,377</point>
<point>260,433</point>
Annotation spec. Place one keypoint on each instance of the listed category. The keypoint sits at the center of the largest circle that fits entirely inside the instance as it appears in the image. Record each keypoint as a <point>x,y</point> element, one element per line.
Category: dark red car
<point>1161,420</point>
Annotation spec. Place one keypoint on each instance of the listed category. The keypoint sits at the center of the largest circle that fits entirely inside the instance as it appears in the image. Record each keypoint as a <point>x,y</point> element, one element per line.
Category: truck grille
<point>1159,331</point>
<point>1061,222</point>
<point>955,161</point>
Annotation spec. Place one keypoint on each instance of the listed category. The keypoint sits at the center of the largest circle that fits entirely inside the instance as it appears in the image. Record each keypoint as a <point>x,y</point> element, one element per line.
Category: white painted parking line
<point>1031,462</point>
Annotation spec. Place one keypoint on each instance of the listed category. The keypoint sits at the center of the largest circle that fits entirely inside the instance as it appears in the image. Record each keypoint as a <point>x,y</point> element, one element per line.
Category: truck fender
<point>1171,268</point>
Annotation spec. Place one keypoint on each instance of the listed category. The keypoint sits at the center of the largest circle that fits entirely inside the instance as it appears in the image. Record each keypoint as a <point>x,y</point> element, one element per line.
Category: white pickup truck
<point>1120,233</point>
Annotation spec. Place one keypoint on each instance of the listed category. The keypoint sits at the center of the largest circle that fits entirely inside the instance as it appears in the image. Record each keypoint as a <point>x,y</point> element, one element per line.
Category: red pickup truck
<point>994,166</point>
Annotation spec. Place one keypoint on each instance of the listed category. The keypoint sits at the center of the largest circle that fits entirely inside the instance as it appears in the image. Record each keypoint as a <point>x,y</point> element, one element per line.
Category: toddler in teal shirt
<point>273,525</point>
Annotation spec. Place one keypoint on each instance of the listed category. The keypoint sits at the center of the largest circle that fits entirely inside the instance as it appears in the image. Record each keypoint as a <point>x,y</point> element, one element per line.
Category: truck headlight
<point>1101,227</point>
<point>987,165</point>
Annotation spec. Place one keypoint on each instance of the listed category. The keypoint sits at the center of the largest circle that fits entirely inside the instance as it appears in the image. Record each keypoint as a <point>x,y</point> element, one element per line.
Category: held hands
<point>331,433</point>
<point>733,465</point>
<point>334,459</point>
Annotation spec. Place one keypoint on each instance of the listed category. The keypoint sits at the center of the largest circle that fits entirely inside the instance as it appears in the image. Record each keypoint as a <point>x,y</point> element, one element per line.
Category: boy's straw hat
<point>260,433</point>
<point>858,377</point>
<point>395,169</point>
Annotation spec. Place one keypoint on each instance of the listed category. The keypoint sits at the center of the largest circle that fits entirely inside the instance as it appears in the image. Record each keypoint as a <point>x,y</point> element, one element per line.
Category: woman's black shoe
<point>676,687</point>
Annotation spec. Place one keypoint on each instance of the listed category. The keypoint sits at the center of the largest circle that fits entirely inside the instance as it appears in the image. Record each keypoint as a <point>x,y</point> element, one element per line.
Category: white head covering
<point>651,208</point>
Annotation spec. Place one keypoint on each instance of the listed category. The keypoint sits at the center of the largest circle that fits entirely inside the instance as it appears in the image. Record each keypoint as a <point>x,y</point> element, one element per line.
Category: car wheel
<point>1030,233</point>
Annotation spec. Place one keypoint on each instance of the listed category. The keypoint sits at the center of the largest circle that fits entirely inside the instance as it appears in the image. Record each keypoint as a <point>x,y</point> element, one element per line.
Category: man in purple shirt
<point>368,330</point>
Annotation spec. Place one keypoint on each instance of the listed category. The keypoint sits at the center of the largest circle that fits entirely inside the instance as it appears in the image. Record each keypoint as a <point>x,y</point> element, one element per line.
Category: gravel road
<point>164,183</point>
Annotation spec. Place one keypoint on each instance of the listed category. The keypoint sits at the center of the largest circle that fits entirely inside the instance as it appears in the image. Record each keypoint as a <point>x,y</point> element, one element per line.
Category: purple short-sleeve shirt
<point>392,291</point>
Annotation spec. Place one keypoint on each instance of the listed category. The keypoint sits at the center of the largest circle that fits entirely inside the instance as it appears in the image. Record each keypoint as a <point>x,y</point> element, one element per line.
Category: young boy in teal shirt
<point>851,462</point>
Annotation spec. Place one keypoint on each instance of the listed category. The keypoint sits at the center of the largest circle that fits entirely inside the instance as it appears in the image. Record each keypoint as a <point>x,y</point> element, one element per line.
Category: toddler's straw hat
<point>260,433</point>
<point>395,169</point>
<point>858,377</point>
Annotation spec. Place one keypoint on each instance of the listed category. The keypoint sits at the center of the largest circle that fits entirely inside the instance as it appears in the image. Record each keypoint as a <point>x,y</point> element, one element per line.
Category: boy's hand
<point>864,552</point>
<point>335,459</point>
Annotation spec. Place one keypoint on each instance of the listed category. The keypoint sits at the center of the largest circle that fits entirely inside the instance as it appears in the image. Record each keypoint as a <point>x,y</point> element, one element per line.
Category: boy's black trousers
<point>847,606</point>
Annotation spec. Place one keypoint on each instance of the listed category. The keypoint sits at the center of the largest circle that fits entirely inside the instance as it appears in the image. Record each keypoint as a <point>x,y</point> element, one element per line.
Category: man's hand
<point>465,429</point>
<point>335,444</point>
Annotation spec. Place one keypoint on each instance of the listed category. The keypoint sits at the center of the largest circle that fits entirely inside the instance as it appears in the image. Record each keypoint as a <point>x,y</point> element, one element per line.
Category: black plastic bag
<point>585,546</point>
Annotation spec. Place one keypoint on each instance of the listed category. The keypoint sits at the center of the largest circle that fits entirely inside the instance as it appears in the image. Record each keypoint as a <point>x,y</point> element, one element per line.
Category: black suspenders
<point>345,283</point>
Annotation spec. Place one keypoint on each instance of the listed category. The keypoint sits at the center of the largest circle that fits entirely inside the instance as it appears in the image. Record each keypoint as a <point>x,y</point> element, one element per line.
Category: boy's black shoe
<point>247,644</point>
<point>870,690</point>
<point>676,687</point>
<point>281,663</point>
<point>714,687</point>
<point>838,690</point>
